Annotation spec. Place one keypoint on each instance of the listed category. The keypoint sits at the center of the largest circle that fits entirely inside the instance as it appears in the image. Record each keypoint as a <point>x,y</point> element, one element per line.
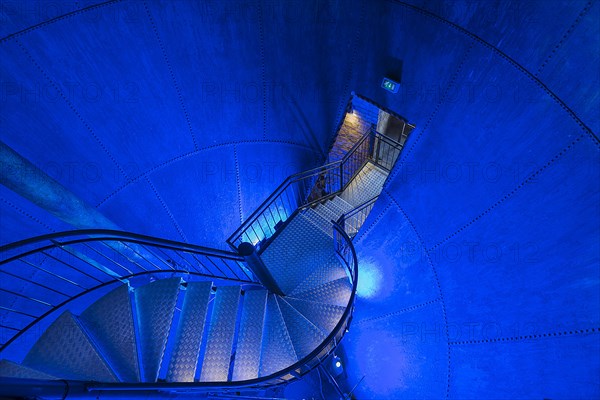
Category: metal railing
<point>347,256</point>
<point>52,270</point>
<point>310,187</point>
<point>353,220</point>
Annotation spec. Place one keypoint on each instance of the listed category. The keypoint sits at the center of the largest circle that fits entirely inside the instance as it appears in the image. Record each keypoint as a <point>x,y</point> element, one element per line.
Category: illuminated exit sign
<point>390,85</point>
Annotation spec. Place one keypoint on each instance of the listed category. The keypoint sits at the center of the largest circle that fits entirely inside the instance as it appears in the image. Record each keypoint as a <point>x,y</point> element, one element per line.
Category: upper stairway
<point>158,312</point>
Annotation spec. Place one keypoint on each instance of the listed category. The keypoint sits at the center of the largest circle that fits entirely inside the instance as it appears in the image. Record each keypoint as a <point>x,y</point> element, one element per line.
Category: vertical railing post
<point>258,267</point>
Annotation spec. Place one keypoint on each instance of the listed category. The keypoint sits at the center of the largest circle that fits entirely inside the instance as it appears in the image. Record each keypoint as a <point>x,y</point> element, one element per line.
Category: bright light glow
<point>338,364</point>
<point>369,281</point>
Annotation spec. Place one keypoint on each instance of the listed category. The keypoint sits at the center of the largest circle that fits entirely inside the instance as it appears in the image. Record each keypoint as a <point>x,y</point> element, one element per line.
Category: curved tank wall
<point>480,262</point>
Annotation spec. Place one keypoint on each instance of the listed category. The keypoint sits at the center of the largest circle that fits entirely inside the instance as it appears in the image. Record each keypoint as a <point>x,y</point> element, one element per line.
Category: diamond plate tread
<point>365,185</point>
<point>325,316</point>
<point>109,322</point>
<point>217,357</point>
<point>9,369</point>
<point>247,353</point>
<point>328,271</point>
<point>155,304</point>
<point>335,292</point>
<point>324,226</point>
<point>66,352</point>
<point>305,336</point>
<point>277,348</point>
<point>184,359</point>
<point>296,252</point>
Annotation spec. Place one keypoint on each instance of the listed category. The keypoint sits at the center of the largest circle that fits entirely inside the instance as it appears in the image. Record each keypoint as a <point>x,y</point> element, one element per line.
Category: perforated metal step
<point>296,252</point>
<point>65,351</point>
<point>305,336</point>
<point>155,304</point>
<point>342,205</point>
<point>365,185</point>
<point>325,316</point>
<point>109,322</point>
<point>217,357</point>
<point>9,369</point>
<point>318,221</point>
<point>184,359</point>
<point>277,348</point>
<point>247,353</point>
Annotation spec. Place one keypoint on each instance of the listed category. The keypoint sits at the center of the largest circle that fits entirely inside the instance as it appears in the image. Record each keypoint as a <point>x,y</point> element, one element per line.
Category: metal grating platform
<point>365,185</point>
<point>184,359</point>
<point>109,322</point>
<point>217,357</point>
<point>65,351</point>
<point>247,353</point>
<point>155,307</point>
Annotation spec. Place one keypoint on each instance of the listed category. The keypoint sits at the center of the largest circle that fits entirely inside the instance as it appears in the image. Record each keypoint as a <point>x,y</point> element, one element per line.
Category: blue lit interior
<point>479,264</point>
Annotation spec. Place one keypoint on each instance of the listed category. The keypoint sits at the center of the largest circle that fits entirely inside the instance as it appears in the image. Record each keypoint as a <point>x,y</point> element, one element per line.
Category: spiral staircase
<point>115,312</point>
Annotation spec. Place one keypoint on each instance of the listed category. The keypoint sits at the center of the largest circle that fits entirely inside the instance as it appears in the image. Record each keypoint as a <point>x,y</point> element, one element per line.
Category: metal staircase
<point>135,313</point>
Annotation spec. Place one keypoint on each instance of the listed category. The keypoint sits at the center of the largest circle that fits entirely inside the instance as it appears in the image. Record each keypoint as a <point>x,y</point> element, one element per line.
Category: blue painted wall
<point>480,263</point>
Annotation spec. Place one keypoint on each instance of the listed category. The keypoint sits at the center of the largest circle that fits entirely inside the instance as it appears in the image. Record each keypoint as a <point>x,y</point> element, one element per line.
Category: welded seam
<point>193,153</point>
<point>511,61</point>
<point>238,184</point>
<point>508,195</point>
<point>567,34</point>
<point>398,312</point>
<point>167,210</point>
<point>263,67</point>
<point>571,332</point>
<point>71,106</point>
<point>23,212</point>
<point>437,281</point>
<point>451,83</point>
<point>361,235</point>
<point>172,75</point>
<point>56,19</point>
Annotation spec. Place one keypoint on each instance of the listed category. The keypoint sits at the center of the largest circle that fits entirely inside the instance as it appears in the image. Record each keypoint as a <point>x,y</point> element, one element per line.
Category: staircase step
<point>247,352</point>
<point>184,359</point>
<point>327,271</point>
<point>277,348</point>
<point>155,304</point>
<point>109,323</point>
<point>9,369</point>
<point>326,213</point>
<point>65,351</point>
<point>342,204</point>
<point>217,357</point>
<point>305,336</point>
<point>325,316</point>
<point>299,248</point>
<point>321,223</point>
<point>335,292</point>
<point>365,185</point>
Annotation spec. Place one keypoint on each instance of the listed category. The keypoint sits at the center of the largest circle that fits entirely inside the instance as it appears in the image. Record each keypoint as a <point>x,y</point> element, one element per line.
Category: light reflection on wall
<point>369,280</point>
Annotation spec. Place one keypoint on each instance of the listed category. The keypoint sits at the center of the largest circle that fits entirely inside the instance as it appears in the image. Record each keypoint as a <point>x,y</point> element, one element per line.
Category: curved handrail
<point>92,258</point>
<point>295,370</point>
<point>110,234</point>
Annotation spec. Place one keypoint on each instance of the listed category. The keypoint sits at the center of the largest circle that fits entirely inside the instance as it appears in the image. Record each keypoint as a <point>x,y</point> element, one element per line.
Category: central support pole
<point>258,267</point>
